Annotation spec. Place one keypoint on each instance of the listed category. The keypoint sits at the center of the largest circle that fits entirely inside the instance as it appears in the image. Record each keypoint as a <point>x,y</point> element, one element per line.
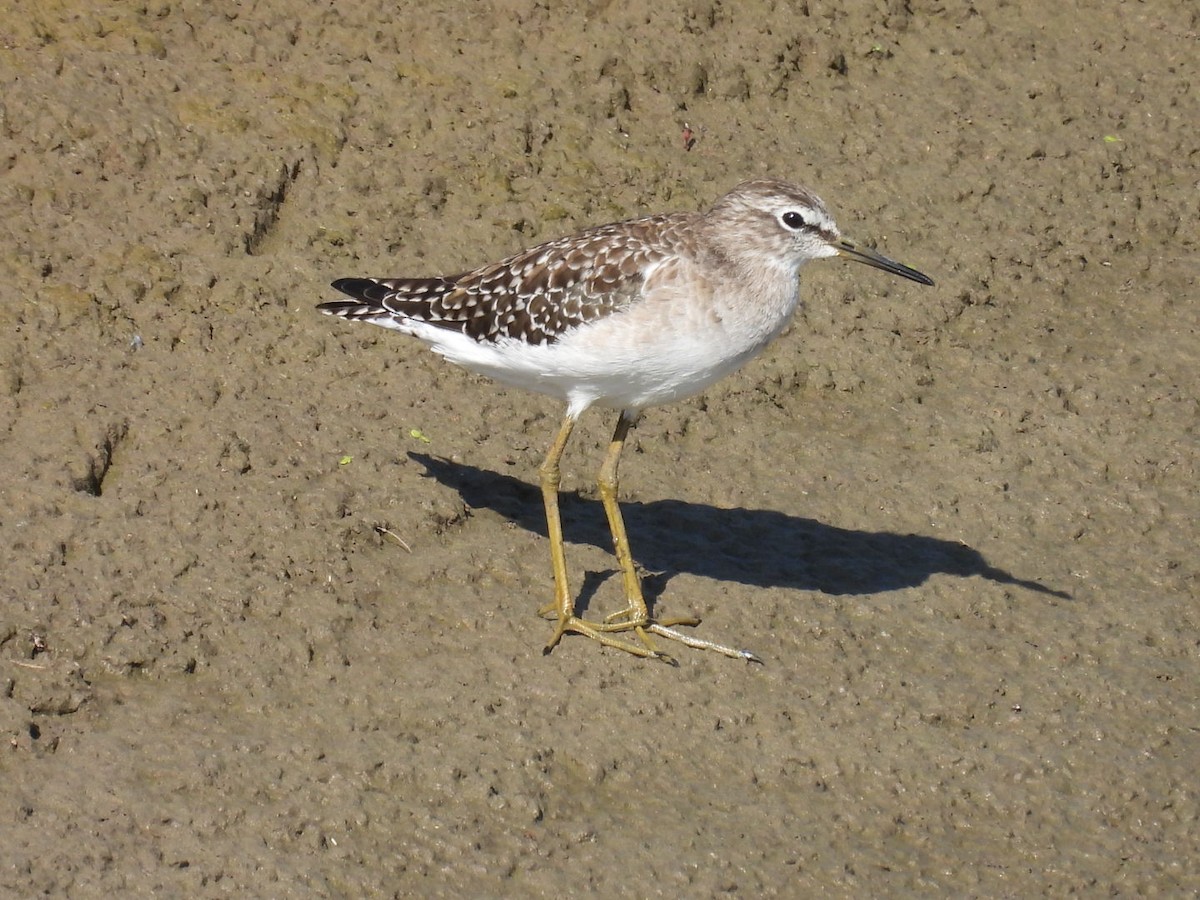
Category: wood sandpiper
<point>624,316</point>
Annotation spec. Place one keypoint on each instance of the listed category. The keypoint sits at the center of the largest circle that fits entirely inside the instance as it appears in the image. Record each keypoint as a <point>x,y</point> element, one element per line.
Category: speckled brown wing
<point>534,296</point>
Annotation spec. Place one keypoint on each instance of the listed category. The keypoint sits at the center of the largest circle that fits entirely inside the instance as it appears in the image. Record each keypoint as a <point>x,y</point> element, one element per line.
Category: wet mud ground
<point>958,523</point>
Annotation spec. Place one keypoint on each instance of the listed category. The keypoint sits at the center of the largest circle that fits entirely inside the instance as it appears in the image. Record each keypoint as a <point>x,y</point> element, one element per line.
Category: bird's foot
<point>633,619</point>
<point>664,629</point>
<point>603,633</point>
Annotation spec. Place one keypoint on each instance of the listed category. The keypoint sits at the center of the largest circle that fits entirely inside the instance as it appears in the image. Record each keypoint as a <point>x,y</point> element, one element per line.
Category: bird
<point>624,316</point>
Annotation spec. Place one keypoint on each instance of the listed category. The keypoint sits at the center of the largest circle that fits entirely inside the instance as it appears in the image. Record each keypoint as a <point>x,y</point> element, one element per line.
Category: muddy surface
<point>958,523</point>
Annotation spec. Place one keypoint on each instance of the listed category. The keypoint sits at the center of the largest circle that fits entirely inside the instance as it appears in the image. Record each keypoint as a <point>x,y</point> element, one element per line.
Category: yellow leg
<point>563,605</point>
<point>551,478</point>
<point>635,611</point>
<point>635,616</point>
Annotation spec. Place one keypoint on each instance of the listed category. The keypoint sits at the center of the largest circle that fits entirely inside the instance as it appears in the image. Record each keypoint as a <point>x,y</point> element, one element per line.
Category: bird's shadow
<point>758,547</point>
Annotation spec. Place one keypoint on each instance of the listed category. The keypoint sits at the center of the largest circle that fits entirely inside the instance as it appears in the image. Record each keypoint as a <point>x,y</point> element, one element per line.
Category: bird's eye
<point>793,220</point>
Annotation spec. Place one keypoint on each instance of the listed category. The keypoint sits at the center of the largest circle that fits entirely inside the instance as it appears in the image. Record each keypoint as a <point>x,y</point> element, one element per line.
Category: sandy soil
<point>958,524</point>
